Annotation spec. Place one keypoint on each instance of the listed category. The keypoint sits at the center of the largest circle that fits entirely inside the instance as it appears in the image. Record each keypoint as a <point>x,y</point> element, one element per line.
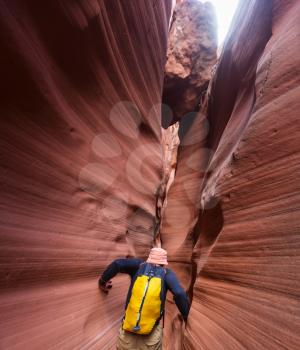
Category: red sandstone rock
<point>74,163</point>
<point>239,252</point>
<point>231,219</point>
<point>192,52</point>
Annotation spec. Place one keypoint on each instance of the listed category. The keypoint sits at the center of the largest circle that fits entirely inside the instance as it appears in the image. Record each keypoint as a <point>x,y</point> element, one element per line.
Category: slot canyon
<point>124,125</point>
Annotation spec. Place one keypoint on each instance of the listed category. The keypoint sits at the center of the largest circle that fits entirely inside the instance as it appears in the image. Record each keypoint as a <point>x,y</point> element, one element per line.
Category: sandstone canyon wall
<point>231,223</point>
<point>83,162</point>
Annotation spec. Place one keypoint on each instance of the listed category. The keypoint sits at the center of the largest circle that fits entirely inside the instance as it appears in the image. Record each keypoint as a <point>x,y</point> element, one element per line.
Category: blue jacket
<point>130,267</point>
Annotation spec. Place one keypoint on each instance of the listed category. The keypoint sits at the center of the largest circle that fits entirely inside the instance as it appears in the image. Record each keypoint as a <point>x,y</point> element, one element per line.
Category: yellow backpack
<point>145,300</point>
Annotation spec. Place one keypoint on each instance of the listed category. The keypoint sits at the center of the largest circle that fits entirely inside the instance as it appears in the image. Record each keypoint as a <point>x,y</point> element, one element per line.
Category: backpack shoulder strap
<point>160,272</point>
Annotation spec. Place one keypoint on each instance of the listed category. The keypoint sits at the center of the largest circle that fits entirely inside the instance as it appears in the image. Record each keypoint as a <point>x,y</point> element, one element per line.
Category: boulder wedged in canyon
<point>232,219</point>
<point>81,162</point>
<point>192,52</point>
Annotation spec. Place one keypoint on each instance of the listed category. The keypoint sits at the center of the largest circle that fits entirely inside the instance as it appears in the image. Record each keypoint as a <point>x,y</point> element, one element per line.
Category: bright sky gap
<point>225,10</point>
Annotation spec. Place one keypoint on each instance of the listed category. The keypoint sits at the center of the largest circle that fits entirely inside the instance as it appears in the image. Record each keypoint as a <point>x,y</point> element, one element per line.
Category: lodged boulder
<point>191,55</point>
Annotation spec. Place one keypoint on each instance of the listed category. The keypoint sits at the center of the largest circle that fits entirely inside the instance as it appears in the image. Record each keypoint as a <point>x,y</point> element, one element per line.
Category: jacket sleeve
<point>179,295</point>
<point>129,266</point>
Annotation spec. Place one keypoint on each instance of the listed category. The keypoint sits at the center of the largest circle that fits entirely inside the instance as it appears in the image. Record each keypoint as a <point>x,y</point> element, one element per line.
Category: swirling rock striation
<point>82,167</point>
<point>232,219</point>
<point>81,162</point>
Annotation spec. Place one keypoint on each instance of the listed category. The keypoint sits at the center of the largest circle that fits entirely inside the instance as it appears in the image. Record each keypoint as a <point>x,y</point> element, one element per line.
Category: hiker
<point>141,327</point>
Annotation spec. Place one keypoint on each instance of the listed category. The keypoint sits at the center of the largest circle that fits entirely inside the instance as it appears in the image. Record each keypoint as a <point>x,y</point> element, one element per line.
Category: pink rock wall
<point>80,168</point>
<point>81,175</point>
<point>232,219</point>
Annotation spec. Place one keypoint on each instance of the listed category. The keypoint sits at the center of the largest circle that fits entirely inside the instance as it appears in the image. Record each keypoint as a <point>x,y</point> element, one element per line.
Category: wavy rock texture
<point>192,52</point>
<point>81,175</point>
<point>232,219</point>
<point>79,169</point>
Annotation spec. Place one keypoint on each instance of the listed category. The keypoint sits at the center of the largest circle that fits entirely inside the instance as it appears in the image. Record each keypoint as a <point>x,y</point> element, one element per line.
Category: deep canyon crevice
<point>88,175</point>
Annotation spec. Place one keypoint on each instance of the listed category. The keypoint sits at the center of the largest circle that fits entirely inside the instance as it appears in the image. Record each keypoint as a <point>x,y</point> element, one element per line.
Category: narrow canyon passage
<point>120,127</point>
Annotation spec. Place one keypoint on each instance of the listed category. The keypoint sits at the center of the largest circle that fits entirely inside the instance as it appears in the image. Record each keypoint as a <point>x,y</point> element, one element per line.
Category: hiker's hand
<point>105,286</point>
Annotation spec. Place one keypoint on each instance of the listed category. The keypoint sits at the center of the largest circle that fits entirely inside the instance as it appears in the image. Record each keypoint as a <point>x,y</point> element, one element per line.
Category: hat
<point>157,256</point>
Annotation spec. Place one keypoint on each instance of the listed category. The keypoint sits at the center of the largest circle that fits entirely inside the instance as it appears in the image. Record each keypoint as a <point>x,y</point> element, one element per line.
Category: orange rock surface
<point>83,162</point>
<point>80,166</point>
<point>232,223</point>
<point>191,54</point>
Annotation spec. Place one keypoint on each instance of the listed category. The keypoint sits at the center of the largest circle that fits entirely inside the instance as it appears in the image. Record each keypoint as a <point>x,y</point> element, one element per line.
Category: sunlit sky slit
<point>225,10</point>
